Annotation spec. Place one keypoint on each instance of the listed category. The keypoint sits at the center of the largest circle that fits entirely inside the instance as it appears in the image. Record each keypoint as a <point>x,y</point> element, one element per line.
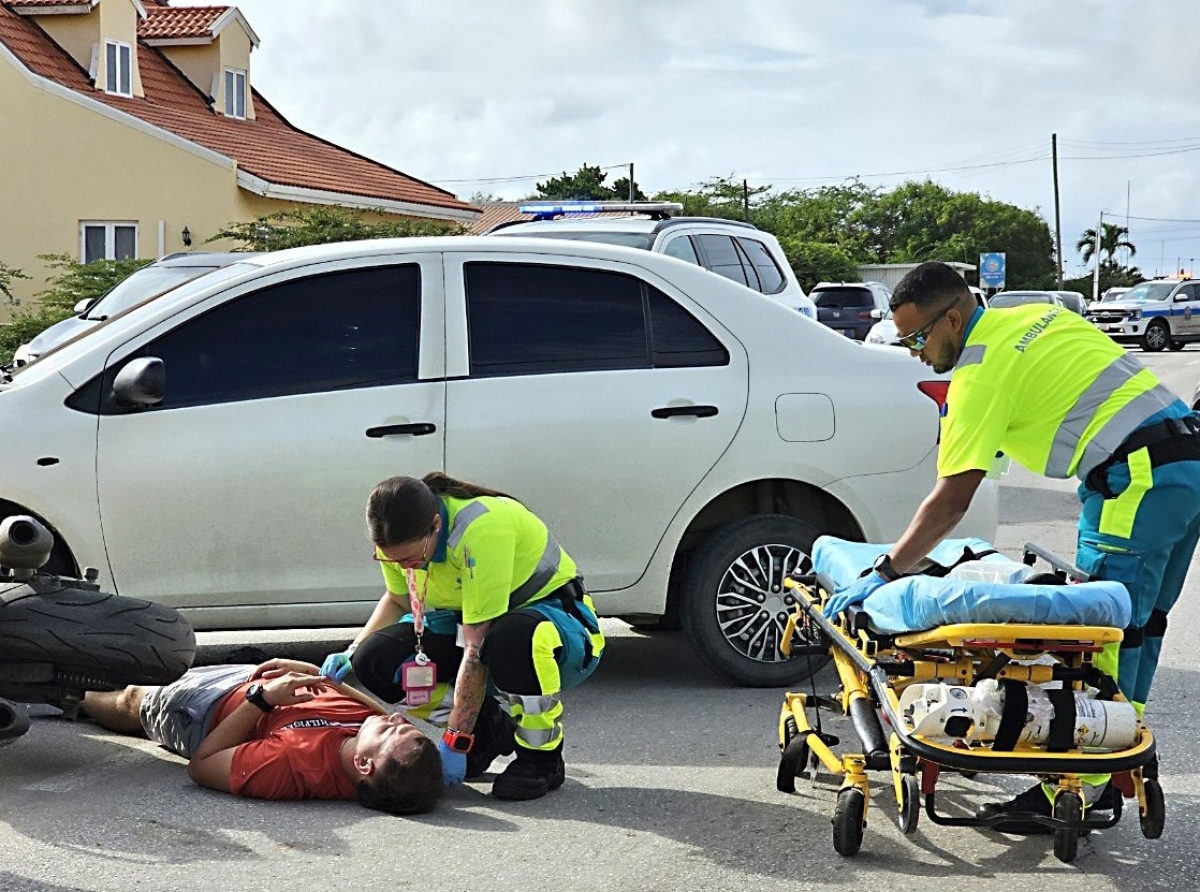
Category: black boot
<point>531,775</point>
<point>1032,801</point>
<point>493,737</point>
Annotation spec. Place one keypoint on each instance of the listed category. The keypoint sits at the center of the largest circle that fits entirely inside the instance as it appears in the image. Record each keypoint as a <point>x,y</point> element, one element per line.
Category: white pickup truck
<point>1157,314</point>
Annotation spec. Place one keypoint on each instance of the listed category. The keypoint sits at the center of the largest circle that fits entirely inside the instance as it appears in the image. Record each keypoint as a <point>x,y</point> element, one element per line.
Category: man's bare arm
<point>938,515</point>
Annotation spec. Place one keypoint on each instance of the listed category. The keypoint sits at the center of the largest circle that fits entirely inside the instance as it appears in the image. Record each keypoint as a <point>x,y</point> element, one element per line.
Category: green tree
<point>319,226</point>
<point>719,197</point>
<point>1112,239</point>
<point>7,274</point>
<point>586,184</point>
<point>73,282</point>
<point>814,262</point>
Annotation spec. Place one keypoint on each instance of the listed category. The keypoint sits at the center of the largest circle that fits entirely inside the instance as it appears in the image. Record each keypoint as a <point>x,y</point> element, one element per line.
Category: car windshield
<point>1017,298</point>
<point>151,281</point>
<point>842,298</point>
<point>209,278</point>
<point>1149,291</point>
<point>642,240</point>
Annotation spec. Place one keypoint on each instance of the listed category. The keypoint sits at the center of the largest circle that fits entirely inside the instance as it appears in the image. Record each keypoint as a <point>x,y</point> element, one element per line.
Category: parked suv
<point>738,251</point>
<point>146,283</point>
<point>851,308</point>
<point>214,447</point>
<point>1155,314</point>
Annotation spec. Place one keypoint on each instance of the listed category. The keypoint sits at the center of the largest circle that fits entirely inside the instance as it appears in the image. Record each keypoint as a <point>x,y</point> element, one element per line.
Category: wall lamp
<point>187,237</point>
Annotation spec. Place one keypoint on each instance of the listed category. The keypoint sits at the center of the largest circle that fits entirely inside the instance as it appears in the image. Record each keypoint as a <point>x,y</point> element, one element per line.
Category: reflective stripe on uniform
<point>539,718</point>
<point>972,355</point>
<point>1128,418</point>
<point>1075,422</point>
<point>462,520</point>
<point>1117,515</point>
<point>542,575</point>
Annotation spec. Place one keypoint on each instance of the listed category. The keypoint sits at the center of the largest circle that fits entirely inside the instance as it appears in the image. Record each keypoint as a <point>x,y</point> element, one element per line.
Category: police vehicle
<point>1156,315</point>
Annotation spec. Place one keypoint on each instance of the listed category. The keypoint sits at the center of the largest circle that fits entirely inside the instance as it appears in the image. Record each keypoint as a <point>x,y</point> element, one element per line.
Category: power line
<point>517,179</point>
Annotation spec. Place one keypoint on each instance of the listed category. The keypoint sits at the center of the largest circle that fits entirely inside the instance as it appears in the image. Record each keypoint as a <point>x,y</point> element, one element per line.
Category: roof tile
<point>268,147</point>
<point>165,22</point>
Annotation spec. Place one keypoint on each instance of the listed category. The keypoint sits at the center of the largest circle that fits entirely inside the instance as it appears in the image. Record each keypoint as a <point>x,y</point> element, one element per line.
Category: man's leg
<point>116,710</point>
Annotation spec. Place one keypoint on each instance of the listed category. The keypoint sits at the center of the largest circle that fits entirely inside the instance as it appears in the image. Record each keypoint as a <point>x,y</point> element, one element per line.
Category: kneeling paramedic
<point>462,560</point>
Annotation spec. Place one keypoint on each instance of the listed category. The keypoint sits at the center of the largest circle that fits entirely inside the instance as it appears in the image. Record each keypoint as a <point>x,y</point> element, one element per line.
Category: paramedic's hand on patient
<point>336,666</point>
<point>854,593</point>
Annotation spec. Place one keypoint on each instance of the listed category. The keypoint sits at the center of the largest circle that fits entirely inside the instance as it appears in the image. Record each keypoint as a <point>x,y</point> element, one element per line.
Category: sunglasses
<point>916,341</point>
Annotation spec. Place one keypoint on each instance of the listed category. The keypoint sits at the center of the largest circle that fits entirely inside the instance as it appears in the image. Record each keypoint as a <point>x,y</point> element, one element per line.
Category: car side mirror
<point>877,314</point>
<point>1183,295</point>
<point>83,306</point>
<point>141,383</point>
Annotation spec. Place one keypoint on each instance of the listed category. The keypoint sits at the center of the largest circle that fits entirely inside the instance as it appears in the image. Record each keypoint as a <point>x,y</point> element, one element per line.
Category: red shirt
<point>295,750</point>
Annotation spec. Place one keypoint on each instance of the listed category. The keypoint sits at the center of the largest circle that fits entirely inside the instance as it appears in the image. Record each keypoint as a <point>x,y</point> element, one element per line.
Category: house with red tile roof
<point>130,122</point>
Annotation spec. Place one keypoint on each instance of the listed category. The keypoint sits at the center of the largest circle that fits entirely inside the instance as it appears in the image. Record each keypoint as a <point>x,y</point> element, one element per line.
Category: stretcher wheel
<point>793,761</point>
<point>910,805</point>
<point>1155,814</point>
<point>1067,807</point>
<point>849,821</point>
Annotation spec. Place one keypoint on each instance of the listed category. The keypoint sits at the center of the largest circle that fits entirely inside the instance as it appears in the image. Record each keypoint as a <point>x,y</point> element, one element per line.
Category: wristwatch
<point>459,741</point>
<point>257,695</point>
<point>883,566</point>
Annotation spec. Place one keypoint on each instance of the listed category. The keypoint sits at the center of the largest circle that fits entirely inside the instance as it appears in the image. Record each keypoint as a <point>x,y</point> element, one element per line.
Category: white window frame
<point>112,74</point>
<point>110,237</point>
<point>235,100</point>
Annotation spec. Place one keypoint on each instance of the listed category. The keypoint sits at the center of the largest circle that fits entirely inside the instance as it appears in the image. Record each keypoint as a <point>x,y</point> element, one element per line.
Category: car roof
<point>639,223</point>
<point>204,258</point>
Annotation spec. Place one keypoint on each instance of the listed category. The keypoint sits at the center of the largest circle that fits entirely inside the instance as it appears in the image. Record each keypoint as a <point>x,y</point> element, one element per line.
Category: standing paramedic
<point>480,594</point>
<point>1046,387</point>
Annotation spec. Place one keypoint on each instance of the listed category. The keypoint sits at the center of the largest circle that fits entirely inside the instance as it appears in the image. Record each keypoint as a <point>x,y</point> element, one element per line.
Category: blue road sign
<point>991,270</point>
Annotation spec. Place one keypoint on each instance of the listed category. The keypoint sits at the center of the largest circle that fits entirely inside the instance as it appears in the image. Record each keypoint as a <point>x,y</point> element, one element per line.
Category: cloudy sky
<point>493,96</point>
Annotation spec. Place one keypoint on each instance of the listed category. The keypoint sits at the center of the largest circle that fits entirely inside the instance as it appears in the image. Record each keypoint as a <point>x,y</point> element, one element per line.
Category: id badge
<point>418,681</point>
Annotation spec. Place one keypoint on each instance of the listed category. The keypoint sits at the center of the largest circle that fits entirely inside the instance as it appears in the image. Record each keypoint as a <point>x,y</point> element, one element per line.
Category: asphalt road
<point>670,786</point>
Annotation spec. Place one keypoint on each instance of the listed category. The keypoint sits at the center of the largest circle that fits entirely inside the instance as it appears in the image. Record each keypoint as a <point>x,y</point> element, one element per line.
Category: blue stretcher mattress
<point>917,603</point>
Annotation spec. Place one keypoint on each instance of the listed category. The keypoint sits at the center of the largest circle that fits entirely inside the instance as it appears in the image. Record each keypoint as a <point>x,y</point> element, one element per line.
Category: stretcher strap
<point>1062,725</point>
<point>1012,719</point>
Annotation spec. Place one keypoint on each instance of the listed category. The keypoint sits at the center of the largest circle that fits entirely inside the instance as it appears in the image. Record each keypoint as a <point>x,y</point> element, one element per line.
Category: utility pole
<point>1057,207</point>
<point>1096,260</point>
<point>631,192</point>
<point>746,201</point>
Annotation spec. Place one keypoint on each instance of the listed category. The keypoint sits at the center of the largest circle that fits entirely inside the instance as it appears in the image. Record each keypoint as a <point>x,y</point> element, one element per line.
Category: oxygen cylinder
<point>973,714</point>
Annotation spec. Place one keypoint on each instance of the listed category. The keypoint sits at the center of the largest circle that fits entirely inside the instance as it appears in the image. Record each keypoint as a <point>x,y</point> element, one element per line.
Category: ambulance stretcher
<point>921,660</point>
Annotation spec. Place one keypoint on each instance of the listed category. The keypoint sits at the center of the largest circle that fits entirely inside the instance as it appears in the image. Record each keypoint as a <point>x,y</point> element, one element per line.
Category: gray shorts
<point>177,716</point>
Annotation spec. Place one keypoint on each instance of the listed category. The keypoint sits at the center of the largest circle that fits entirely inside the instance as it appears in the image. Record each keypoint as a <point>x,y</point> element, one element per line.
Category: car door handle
<point>676,411</point>
<point>417,429</point>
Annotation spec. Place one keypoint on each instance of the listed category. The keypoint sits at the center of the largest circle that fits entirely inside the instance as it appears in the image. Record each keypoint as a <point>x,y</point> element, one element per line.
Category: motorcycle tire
<point>56,640</point>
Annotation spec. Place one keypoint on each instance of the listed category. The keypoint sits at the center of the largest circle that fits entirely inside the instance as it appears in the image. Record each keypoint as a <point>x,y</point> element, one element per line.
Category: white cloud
<point>782,91</point>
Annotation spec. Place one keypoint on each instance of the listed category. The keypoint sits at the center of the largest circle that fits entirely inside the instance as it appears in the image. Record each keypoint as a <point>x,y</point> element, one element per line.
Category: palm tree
<point>1112,239</point>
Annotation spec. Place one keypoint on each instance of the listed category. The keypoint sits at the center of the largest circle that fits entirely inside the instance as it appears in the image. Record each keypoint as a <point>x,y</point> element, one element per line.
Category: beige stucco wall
<point>201,63</point>
<point>75,33</point>
<point>235,49</point>
<point>66,163</point>
<point>198,63</point>
<point>82,33</point>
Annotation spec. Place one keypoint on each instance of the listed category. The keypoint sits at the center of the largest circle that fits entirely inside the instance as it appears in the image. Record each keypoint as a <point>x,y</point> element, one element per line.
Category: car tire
<point>734,605</point>
<point>1176,346</point>
<point>1156,336</point>
<point>68,640</point>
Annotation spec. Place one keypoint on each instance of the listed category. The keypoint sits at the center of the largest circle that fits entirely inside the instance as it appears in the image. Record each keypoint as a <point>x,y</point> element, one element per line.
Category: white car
<point>1156,314</point>
<point>686,441</point>
<point>738,251</point>
<point>884,331</point>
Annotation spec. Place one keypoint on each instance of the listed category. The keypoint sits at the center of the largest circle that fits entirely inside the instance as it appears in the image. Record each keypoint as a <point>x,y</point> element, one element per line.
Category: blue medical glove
<point>854,593</point>
<point>454,764</point>
<point>336,666</point>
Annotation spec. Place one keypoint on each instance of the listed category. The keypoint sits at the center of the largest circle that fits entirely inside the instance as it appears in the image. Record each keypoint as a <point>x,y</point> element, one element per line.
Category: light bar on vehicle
<point>597,207</point>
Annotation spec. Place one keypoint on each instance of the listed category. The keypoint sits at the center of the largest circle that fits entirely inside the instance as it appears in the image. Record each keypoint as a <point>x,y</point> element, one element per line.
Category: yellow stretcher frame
<point>914,761</point>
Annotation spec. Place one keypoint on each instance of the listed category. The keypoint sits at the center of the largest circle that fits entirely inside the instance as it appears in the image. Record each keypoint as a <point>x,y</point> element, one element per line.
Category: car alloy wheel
<point>735,606</point>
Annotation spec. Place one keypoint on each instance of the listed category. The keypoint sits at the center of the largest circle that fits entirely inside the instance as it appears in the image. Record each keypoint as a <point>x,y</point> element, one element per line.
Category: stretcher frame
<point>874,670</point>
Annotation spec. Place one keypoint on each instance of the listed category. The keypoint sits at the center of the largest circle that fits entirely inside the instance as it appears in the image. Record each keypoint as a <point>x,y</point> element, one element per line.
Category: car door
<point>1185,310</point>
<point>285,403</point>
<point>597,395</point>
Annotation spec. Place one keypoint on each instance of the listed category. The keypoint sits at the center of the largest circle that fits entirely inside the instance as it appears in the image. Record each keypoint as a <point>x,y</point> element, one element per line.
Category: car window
<point>1190,292</point>
<point>682,248</point>
<point>357,328</point>
<point>1149,291</point>
<point>722,257</point>
<point>528,319</point>
<point>842,298</point>
<point>770,279</point>
<point>142,285</point>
